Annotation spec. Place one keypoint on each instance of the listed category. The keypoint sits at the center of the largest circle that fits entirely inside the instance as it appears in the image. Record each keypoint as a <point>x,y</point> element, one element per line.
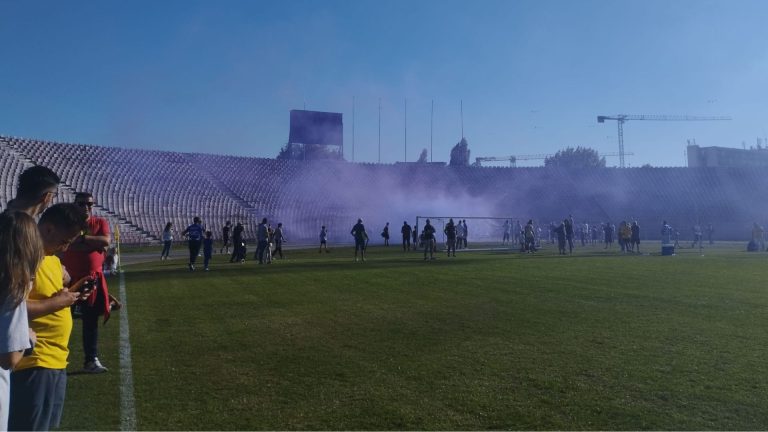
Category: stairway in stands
<point>226,190</point>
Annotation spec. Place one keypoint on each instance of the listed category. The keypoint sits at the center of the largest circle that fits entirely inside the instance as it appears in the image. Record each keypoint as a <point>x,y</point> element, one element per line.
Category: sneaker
<point>206,269</point>
<point>94,367</point>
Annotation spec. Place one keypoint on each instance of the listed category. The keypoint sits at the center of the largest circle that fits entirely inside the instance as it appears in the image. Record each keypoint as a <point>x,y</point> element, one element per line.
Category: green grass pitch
<point>486,340</point>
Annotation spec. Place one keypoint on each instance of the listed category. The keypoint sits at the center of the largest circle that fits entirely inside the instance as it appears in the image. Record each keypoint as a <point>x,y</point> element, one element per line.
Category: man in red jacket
<point>85,257</point>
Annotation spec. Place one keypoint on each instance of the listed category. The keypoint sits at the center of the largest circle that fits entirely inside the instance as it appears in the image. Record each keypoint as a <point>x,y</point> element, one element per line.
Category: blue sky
<point>222,76</point>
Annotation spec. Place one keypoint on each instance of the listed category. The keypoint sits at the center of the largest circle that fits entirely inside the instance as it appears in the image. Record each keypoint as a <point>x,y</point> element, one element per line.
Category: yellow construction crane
<point>621,118</point>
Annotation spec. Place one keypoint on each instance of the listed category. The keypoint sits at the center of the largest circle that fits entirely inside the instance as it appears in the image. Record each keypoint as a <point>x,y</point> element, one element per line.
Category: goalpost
<point>483,232</point>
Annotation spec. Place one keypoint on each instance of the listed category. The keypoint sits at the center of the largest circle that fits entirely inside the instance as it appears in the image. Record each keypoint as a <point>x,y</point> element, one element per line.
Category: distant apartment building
<point>725,157</point>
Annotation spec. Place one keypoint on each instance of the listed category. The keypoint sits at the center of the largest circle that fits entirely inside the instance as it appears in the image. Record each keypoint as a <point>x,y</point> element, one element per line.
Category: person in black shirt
<point>385,234</point>
<point>450,234</point>
<point>238,244</point>
<point>561,234</point>
<point>406,231</point>
<point>279,239</point>
<point>361,238</point>
<point>569,232</point>
<point>225,237</point>
<point>635,239</point>
<point>415,234</point>
<point>428,237</point>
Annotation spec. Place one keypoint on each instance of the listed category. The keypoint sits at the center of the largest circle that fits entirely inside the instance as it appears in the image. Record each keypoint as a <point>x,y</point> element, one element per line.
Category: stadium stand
<point>141,190</point>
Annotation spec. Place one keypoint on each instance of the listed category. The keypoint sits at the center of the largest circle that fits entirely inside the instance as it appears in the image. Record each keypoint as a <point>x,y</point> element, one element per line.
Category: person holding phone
<point>85,258</point>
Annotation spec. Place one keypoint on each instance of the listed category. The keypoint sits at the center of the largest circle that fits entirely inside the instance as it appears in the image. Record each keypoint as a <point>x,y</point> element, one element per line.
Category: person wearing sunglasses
<point>85,257</point>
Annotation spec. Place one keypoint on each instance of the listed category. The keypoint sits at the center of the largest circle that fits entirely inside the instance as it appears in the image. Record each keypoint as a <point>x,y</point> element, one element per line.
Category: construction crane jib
<point>621,118</point>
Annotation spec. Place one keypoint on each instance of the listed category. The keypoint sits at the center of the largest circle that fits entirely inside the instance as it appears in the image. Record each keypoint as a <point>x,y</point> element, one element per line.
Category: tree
<point>580,157</point>
<point>460,153</point>
<point>423,156</point>
<point>294,151</point>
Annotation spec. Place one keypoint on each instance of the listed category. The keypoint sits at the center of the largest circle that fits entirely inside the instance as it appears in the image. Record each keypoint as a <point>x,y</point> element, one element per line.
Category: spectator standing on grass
<point>167,241</point>
<point>270,244</point>
<point>635,239</point>
<point>507,232</point>
<point>385,234</point>
<point>710,231</point>
<point>595,233</point>
<point>207,249</point>
<point>279,239</point>
<point>459,235</point>
<point>560,233</point>
<point>666,233</point>
<point>323,239</point>
<point>262,239</point>
<point>529,237</point>
<point>85,258</point>
<point>238,244</point>
<point>39,381</point>
<point>569,232</point>
<point>697,236</point>
<point>465,233</point>
<point>415,234</point>
<point>21,252</point>
<point>361,238</point>
<point>194,235</point>
<point>625,232</point>
<point>225,237</point>
<point>428,237</point>
<point>450,234</point>
<point>406,232</point>
<point>758,236</point>
<point>36,189</point>
<point>538,236</point>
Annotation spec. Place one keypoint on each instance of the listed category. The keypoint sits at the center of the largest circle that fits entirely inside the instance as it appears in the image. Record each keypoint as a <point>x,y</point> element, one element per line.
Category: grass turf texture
<point>487,340</point>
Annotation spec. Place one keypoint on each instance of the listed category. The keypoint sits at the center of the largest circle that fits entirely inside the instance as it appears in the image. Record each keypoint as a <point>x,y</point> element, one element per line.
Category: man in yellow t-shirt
<point>39,382</point>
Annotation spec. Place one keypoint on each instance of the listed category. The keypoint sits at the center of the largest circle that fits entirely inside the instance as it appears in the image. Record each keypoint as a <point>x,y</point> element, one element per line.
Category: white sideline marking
<point>127,408</point>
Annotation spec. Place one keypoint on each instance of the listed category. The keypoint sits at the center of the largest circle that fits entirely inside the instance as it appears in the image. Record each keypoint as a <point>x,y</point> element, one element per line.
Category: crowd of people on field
<point>529,237</point>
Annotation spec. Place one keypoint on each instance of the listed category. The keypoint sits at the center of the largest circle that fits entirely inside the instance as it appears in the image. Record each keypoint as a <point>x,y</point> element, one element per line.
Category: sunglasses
<point>83,204</point>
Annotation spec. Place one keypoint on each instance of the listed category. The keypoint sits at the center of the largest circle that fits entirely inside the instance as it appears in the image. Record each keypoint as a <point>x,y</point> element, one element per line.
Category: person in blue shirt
<point>207,249</point>
<point>194,234</point>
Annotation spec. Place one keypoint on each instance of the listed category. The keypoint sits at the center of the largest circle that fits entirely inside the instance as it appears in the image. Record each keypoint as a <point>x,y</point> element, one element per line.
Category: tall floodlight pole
<point>405,130</point>
<point>353,128</point>
<point>431,121</point>
<point>379,130</point>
